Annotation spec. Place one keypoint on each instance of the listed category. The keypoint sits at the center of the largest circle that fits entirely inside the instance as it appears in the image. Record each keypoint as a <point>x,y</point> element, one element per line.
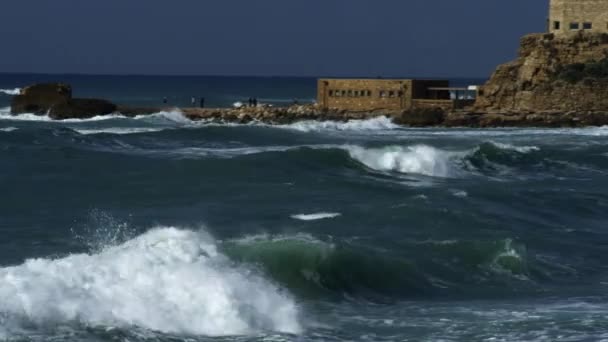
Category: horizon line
<point>235,76</point>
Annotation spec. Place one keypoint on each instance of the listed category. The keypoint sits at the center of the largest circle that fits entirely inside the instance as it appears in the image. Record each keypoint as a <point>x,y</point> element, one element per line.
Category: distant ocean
<point>157,228</point>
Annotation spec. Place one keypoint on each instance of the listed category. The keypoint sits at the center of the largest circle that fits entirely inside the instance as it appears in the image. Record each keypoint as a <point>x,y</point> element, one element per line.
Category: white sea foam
<point>174,116</point>
<point>166,280</point>
<point>14,91</point>
<point>315,217</point>
<point>5,115</point>
<point>119,130</point>
<point>418,159</point>
<point>8,129</point>
<point>520,149</point>
<point>375,124</point>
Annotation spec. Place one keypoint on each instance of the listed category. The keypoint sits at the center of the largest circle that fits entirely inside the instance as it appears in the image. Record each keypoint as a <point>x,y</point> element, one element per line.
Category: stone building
<point>387,94</point>
<point>571,16</point>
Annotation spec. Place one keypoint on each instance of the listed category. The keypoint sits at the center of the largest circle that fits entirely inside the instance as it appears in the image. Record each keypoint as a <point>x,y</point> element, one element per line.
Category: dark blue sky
<point>432,38</point>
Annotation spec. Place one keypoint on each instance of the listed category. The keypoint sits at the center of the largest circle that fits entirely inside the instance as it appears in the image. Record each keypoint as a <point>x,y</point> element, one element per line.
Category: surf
<point>167,280</point>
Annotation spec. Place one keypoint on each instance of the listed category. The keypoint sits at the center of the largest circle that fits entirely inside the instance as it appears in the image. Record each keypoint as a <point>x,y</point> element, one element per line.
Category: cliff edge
<point>558,74</point>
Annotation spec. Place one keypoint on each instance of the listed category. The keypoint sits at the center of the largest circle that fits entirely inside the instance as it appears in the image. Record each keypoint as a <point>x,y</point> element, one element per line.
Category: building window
<point>574,26</point>
<point>557,25</point>
<point>391,94</point>
<point>338,93</point>
<point>400,93</point>
<point>357,94</point>
<point>382,93</point>
<point>331,93</point>
<point>350,93</point>
<point>587,26</point>
<point>369,93</point>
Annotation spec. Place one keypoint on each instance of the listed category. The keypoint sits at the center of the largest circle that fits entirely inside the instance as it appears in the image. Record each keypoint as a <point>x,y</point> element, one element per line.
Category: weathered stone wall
<point>570,16</point>
<point>375,94</point>
<point>528,84</point>
<point>364,94</point>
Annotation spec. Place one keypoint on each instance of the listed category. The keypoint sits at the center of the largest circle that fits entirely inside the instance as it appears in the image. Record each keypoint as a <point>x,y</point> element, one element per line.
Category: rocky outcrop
<point>535,81</point>
<point>81,108</point>
<point>40,98</point>
<point>274,115</point>
<point>55,99</point>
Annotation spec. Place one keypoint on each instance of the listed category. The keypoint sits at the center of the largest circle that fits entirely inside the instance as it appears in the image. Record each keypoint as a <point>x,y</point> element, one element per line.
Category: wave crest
<point>418,159</point>
<point>167,280</point>
<point>12,92</point>
<point>375,124</point>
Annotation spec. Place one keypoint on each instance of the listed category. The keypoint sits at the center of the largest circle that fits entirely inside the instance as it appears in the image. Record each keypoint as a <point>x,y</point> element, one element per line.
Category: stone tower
<point>571,16</point>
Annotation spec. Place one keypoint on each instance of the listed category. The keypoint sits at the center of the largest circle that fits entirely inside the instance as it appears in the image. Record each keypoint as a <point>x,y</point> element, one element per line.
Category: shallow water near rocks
<point>161,229</point>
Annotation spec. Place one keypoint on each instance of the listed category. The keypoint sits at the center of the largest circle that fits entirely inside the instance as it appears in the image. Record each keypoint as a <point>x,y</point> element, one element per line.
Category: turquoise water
<point>162,229</point>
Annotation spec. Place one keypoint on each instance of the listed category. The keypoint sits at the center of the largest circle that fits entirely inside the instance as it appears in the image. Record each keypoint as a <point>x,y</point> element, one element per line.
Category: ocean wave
<point>166,280</point>
<point>312,267</point>
<point>119,130</point>
<point>435,162</point>
<point>419,159</point>
<point>8,129</point>
<point>12,92</point>
<point>375,124</point>
<point>315,217</point>
<point>173,116</point>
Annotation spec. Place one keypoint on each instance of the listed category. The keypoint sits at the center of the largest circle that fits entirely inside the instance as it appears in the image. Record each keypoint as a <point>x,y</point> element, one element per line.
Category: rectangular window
<point>382,93</point>
<point>391,94</point>
<point>369,93</point>
<point>350,93</point>
<point>338,93</point>
<point>557,25</point>
<point>574,26</point>
<point>587,26</point>
<point>331,93</point>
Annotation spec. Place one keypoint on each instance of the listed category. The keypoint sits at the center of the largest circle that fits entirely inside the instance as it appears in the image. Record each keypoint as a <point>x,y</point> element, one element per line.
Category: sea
<point>158,228</point>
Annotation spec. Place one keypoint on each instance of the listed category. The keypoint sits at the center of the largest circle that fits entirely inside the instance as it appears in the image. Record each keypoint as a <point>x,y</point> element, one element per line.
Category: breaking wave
<point>166,280</point>
<point>418,159</point>
<point>12,92</point>
<point>315,217</point>
<point>434,162</point>
<point>375,124</point>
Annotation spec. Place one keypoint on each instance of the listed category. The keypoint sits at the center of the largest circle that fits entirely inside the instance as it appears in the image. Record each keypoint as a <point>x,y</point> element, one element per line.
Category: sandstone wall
<point>528,84</point>
<point>364,94</point>
<point>570,16</point>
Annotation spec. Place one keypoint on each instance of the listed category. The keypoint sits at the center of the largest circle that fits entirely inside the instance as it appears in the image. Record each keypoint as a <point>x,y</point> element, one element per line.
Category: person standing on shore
<point>202,102</point>
<point>255,102</point>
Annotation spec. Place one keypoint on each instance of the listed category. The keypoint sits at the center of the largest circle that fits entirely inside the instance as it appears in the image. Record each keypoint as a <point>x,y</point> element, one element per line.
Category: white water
<point>8,129</point>
<point>166,280</point>
<point>119,130</point>
<point>375,124</point>
<point>315,217</point>
<point>418,159</point>
<point>520,149</point>
<point>12,92</point>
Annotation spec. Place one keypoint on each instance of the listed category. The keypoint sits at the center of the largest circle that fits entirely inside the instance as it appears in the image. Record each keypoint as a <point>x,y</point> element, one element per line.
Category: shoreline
<point>414,118</point>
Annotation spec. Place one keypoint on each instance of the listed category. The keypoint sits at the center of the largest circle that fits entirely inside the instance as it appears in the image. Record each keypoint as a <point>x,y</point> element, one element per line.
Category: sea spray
<point>375,124</point>
<point>166,280</point>
<point>418,159</point>
<point>11,92</point>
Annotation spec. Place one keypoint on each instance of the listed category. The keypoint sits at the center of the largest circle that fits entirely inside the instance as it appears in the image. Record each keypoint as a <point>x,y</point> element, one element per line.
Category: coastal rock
<point>81,109</point>
<point>544,77</point>
<point>40,98</point>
